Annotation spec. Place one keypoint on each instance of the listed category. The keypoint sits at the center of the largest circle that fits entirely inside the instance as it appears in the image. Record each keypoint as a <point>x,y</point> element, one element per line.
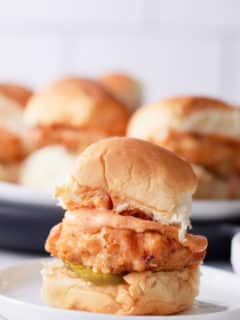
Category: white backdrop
<point>174,46</point>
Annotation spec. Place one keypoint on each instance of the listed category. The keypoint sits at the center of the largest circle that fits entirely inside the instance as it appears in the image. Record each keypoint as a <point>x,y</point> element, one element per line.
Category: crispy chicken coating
<point>74,139</point>
<point>213,187</point>
<point>220,155</point>
<point>11,147</point>
<point>116,250</point>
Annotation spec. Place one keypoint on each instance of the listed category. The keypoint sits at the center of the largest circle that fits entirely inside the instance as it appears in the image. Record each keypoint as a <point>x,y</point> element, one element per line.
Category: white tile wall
<point>73,10</point>
<point>174,46</point>
<point>194,12</point>
<point>30,58</point>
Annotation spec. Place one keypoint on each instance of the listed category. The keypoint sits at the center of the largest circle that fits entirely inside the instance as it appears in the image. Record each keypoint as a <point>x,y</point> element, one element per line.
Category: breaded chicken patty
<point>74,140</point>
<point>115,250</point>
<point>11,147</point>
<point>220,155</point>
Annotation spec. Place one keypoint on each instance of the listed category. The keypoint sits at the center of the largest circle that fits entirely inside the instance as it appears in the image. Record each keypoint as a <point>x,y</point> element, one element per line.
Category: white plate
<point>20,297</point>
<point>215,209</point>
<point>15,193</point>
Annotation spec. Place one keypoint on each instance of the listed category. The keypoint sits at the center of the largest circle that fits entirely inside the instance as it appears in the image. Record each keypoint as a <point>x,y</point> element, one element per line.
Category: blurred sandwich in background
<point>204,131</point>
<point>13,99</point>
<point>16,92</point>
<point>64,118</point>
<point>126,88</point>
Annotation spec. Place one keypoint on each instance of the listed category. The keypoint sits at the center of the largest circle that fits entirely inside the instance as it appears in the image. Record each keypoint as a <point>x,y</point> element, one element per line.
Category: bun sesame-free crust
<point>77,103</point>
<point>137,172</point>
<point>124,87</point>
<point>187,114</point>
<point>143,293</point>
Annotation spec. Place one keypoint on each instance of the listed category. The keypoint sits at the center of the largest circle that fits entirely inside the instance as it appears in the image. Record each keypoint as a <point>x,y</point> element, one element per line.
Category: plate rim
<point>40,261</point>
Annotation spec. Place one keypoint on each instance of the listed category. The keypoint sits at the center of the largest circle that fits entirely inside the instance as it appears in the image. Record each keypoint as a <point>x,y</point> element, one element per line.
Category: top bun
<point>192,114</point>
<point>124,87</point>
<point>140,175</point>
<point>15,92</point>
<point>76,102</point>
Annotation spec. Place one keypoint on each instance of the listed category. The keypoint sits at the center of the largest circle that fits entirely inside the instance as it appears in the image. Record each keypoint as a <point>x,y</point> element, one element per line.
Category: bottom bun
<point>158,293</point>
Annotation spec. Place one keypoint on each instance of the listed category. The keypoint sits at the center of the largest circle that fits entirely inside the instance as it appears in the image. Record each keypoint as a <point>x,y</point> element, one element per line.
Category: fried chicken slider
<point>123,245</point>
<point>204,131</point>
<point>63,119</point>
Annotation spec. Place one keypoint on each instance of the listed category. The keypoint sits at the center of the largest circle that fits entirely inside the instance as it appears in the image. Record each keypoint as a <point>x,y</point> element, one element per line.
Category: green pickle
<point>98,278</point>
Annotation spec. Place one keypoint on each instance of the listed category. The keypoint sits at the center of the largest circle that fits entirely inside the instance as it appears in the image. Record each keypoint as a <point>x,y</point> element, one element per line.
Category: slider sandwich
<point>124,87</point>
<point>63,119</point>
<point>205,132</point>
<point>123,245</point>
<point>12,149</point>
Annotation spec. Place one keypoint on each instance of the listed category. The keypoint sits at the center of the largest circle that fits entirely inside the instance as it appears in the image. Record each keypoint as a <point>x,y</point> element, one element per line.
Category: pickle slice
<point>98,278</point>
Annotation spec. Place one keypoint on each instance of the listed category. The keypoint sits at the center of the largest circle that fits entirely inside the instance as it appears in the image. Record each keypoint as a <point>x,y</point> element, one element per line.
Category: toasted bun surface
<point>137,172</point>
<point>77,103</point>
<point>15,92</point>
<point>124,87</point>
<point>193,114</point>
<point>159,293</point>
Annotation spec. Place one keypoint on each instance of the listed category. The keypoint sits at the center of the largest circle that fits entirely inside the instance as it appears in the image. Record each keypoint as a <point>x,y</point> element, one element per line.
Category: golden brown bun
<point>194,114</point>
<point>144,293</point>
<point>124,87</point>
<point>138,173</point>
<point>16,92</point>
<point>185,105</point>
<point>79,103</point>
